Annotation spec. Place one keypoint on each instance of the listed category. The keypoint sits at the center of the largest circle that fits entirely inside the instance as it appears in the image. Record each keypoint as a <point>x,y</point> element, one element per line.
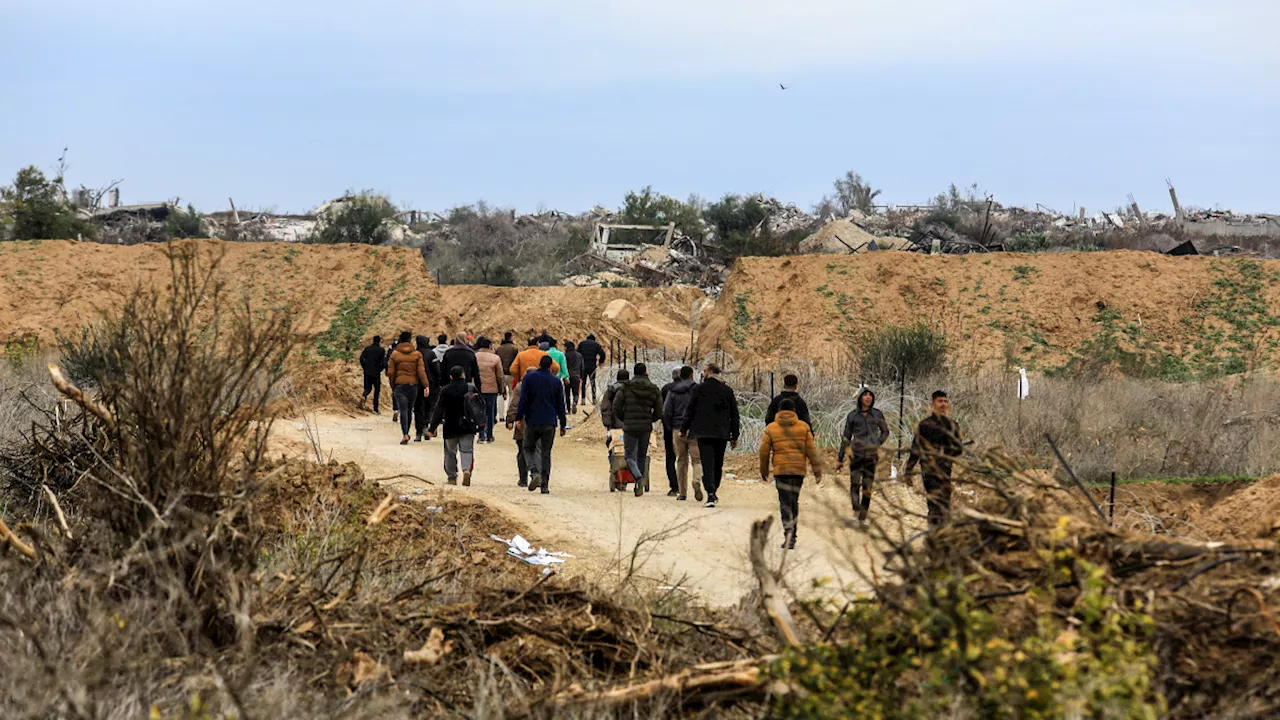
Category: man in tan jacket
<point>408,375</point>
<point>788,444</point>
<point>491,383</point>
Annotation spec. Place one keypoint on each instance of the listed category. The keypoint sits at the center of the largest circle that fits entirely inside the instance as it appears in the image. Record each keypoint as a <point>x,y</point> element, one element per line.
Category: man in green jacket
<point>563,363</point>
<point>637,406</point>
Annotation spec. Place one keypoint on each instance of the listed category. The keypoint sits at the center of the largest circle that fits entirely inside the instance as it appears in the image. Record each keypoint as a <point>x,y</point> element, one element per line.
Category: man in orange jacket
<point>528,360</point>
<point>788,444</point>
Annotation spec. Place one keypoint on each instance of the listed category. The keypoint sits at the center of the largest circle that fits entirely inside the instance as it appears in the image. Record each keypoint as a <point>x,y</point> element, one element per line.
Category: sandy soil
<point>703,551</point>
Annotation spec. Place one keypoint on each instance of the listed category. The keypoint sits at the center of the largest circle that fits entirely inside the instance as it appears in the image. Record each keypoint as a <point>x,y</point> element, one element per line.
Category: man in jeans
<point>685,454</point>
<point>541,408</point>
<point>865,430</point>
<point>408,375</point>
<point>492,382</point>
<point>373,361</point>
<point>459,433</point>
<point>637,406</point>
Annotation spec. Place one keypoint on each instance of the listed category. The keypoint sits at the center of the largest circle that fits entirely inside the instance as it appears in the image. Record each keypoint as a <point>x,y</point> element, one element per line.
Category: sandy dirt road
<point>702,551</point>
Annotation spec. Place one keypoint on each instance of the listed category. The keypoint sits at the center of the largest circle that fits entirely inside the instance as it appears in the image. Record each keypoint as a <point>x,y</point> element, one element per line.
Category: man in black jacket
<point>790,391</point>
<point>713,421</point>
<point>668,438</point>
<point>637,406</point>
<point>461,355</point>
<point>459,432</point>
<point>574,362</point>
<point>937,443</point>
<point>373,362</point>
<point>592,357</point>
<point>865,430</point>
<point>674,409</point>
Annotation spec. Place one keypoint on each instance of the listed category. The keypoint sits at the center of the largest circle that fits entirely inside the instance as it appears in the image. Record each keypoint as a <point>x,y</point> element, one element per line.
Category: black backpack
<point>474,409</point>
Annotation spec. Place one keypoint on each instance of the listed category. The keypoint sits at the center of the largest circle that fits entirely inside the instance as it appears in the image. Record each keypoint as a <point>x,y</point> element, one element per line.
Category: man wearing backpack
<point>462,410</point>
<point>373,362</point>
<point>637,406</point>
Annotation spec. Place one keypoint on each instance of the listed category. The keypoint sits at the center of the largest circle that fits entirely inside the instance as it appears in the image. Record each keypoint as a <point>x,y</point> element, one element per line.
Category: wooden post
<point>1112,520</point>
<point>902,405</point>
<point>771,393</point>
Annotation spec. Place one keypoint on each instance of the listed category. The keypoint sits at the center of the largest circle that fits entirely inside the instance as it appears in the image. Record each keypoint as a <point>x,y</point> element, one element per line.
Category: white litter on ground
<point>518,547</point>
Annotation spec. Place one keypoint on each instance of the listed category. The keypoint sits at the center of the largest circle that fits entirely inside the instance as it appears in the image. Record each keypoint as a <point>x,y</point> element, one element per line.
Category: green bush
<point>184,223</point>
<point>902,351</point>
<point>942,654</point>
<point>741,226</point>
<point>94,355</point>
<point>35,209</point>
<point>362,219</point>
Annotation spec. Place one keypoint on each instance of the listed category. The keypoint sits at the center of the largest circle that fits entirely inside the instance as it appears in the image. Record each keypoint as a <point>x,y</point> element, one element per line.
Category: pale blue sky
<point>570,103</point>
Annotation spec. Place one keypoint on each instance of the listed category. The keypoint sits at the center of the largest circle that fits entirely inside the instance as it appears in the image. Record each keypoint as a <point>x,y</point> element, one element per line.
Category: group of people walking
<point>457,385</point>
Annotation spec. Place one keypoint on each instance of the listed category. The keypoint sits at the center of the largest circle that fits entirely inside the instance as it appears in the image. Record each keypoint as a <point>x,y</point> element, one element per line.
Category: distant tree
<point>649,208</point>
<point>36,209</point>
<point>184,223</point>
<point>853,193</point>
<point>741,227</point>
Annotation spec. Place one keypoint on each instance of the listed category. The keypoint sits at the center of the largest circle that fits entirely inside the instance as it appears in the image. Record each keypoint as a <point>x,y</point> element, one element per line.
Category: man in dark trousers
<point>459,431</point>
<point>461,355</point>
<point>373,361</point>
<point>788,448</point>
<point>574,362</point>
<point>541,408</point>
<point>437,373</point>
<point>936,445</point>
<point>668,437</point>
<point>507,351</point>
<point>426,395</point>
<point>637,406</point>
<point>790,391</point>
<point>865,430</point>
<point>592,357</point>
<point>713,421</point>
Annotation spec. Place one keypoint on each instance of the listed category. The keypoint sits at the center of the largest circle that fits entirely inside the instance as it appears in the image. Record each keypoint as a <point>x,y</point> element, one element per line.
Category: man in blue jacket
<point>541,409</point>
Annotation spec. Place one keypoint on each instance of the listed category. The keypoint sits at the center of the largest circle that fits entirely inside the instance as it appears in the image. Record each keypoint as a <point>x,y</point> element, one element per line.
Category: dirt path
<point>703,551</point>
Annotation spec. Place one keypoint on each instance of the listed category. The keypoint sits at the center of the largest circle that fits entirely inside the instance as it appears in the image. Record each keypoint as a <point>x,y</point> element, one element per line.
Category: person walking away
<point>545,338</point>
<point>637,406</point>
<point>528,361</point>
<point>422,403</point>
<point>460,355</point>
<point>936,445</point>
<point>373,361</point>
<point>437,373</point>
<point>607,415</point>
<point>492,383</point>
<point>541,408</point>
<point>459,426</point>
<point>668,438</point>
<point>407,374</point>
<point>563,373</point>
<point>865,430</point>
<point>685,453</point>
<point>574,361</point>
<point>508,352</point>
<point>787,446</point>
<point>517,435</point>
<point>391,347</point>
<point>790,391</point>
<point>592,358</point>
<point>712,420</point>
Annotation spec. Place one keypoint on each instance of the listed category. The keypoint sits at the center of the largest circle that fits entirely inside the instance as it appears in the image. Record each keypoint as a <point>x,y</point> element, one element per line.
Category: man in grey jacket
<point>865,430</point>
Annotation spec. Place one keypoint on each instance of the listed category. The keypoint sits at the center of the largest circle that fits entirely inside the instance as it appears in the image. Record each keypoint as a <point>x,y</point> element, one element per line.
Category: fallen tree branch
<point>6,535</point>
<point>771,595</point>
<point>738,675</point>
<point>78,396</point>
<point>57,509</point>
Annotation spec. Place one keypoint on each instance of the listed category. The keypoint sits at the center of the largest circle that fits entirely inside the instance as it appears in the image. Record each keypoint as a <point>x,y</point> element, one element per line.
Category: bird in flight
<point>784,87</point>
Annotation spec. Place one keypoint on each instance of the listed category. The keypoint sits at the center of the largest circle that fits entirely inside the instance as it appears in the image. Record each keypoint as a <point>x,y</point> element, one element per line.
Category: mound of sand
<point>1036,308</point>
<point>837,236</point>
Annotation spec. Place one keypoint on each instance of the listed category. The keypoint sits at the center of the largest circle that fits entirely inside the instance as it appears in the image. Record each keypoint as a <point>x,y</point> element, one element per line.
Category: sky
<point>566,104</point>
